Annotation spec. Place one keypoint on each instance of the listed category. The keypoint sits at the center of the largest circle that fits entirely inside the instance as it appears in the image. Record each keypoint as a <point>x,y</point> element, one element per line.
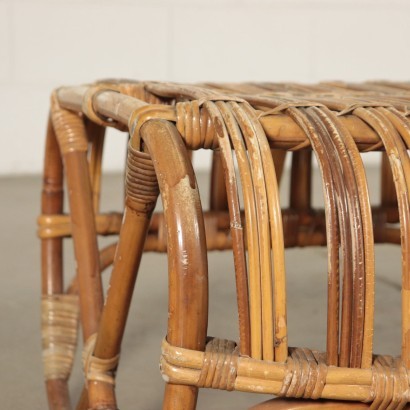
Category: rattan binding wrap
<point>304,374</point>
<point>59,318</point>
<point>96,369</point>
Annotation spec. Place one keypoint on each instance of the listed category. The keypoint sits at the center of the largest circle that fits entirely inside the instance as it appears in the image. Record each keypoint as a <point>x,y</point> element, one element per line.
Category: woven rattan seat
<point>253,125</point>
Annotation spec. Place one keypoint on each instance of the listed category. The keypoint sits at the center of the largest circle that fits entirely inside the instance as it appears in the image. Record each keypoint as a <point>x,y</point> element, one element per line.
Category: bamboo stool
<point>244,121</point>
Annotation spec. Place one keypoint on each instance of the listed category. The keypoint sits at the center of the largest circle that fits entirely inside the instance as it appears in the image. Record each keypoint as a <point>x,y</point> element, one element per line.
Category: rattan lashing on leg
<point>244,122</point>
<point>59,316</point>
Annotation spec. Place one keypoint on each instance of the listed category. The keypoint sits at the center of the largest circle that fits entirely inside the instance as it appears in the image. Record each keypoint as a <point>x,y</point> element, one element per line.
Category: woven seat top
<point>270,102</point>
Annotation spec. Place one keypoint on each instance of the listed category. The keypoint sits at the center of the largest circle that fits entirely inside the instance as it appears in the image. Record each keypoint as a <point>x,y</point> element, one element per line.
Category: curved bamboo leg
<point>71,135</point>
<point>85,242</point>
<point>72,138</point>
<point>238,144</point>
<point>52,203</point>
<point>363,267</point>
<point>52,252</point>
<point>250,343</point>
<point>344,214</point>
<point>263,224</point>
<point>188,281</point>
<point>276,231</point>
<point>368,244</point>
<point>400,166</point>
<point>350,221</point>
<point>332,235</point>
<point>60,330</point>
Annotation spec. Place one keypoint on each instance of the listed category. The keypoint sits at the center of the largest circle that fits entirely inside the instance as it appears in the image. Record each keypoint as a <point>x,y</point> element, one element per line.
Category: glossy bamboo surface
<point>250,127</point>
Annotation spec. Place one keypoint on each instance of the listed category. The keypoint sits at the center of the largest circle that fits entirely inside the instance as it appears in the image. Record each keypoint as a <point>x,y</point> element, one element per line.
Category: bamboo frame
<point>253,123</point>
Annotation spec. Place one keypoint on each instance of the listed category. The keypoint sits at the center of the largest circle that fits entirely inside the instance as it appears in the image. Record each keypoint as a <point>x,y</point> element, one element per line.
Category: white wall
<point>48,43</point>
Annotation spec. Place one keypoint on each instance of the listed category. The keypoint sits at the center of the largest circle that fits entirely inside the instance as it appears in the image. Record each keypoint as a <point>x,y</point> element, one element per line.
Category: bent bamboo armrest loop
<point>59,326</point>
<point>141,182</point>
<point>69,128</point>
<point>135,90</point>
<point>95,368</point>
<point>141,115</point>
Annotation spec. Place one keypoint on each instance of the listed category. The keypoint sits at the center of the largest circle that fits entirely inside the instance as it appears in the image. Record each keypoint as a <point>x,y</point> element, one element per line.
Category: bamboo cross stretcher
<point>253,125</point>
